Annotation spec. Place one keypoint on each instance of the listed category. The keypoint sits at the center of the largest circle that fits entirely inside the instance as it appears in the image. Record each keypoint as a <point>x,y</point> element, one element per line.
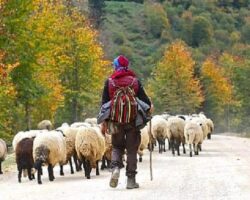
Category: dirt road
<point>220,172</point>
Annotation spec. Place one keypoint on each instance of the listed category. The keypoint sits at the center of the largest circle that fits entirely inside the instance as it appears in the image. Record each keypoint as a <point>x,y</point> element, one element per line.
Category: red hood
<point>118,74</point>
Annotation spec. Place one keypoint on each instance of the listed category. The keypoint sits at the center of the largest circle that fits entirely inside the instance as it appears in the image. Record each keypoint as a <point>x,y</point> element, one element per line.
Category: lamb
<point>159,131</point>
<point>90,148</point>
<point>194,136</point>
<point>45,124</point>
<point>49,148</point>
<point>24,157</point>
<point>175,133</point>
<point>144,142</point>
<point>3,153</point>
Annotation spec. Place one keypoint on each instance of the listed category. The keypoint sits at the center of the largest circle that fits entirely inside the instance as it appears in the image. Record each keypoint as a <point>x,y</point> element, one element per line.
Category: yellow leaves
<point>217,84</point>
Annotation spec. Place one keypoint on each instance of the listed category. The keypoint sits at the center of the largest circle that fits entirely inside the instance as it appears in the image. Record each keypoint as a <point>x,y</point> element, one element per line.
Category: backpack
<point>123,104</point>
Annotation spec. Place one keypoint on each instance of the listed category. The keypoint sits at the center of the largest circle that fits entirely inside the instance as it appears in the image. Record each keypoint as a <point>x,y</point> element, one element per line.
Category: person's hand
<point>151,109</point>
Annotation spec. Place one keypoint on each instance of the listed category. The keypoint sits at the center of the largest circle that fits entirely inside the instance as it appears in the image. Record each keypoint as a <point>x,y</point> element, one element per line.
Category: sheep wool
<point>3,153</point>
<point>45,124</point>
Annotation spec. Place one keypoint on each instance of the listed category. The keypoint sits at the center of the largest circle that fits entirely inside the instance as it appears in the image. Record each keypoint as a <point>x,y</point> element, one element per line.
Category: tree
<point>173,85</point>
<point>96,9</point>
<point>201,31</point>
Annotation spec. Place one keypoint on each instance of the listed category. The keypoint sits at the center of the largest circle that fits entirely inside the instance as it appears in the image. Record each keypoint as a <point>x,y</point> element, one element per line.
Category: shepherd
<point>122,91</point>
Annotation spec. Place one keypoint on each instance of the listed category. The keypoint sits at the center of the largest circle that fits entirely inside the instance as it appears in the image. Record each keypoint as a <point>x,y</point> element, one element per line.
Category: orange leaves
<point>216,82</point>
<point>174,82</point>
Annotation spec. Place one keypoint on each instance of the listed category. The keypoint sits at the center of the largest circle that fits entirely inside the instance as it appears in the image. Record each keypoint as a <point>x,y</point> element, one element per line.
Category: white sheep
<point>91,120</point>
<point>144,141</point>
<point>210,125</point>
<point>193,135</point>
<point>45,124</point>
<point>159,131</point>
<point>25,134</point>
<point>49,148</point>
<point>175,133</point>
<point>80,124</point>
<point>3,153</point>
<point>90,148</point>
<point>70,138</point>
<point>108,152</point>
<point>203,124</point>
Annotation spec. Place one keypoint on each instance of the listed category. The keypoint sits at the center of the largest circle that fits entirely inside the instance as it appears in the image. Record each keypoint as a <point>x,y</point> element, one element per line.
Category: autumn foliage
<point>174,87</point>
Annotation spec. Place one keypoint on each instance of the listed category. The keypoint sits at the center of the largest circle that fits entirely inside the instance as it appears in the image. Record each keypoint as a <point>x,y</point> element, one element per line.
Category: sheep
<point>70,137</point>
<point>25,134</point>
<point>108,152</point>
<point>90,148</point>
<point>203,124</point>
<point>49,148</point>
<point>45,124</point>
<point>210,125</point>
<point>91,120</point>
<point>159,131</point>
<point>144,141</point>
<point>24,158</point>
<point>3,153</point>
<point>80,124</point>
<point>175,133</point>
<point>193,135</point>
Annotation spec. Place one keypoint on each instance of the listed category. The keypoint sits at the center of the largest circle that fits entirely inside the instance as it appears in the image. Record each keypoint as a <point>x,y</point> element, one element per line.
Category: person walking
<point>121,89</point>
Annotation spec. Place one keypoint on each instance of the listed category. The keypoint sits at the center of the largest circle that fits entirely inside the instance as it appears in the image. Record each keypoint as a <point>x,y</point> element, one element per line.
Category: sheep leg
<point>50,172</point>
<point>76,162</point>
<point>172,146</point>
<point>61,170</point>
<point>39,173</point>
<point>159,143</point>
<point>29,174</point>
<point>184,150</point>
<point>164,146</point>
<point>177,145</point>
<point>103,166</point>
<point>19,174</point>
<point>169,146</point>
<point>196,149</point>
<point>199,146</point>
<point>209,136</point>
<point>71,166</point>
<point>190,149</point>
<point>108,163</point>
<point>85,166</point>
<point>97,168</point>
<point>88,169</point>
<point>1,172</point>
<point>140,158</point>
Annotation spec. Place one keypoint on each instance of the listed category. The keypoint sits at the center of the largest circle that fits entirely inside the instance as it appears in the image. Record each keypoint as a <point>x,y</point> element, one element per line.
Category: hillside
<point>124,32</point>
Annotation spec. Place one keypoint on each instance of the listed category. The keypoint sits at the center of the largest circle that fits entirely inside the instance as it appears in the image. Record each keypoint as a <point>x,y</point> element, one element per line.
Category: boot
<point>114,178</point>
<point>131,183</point>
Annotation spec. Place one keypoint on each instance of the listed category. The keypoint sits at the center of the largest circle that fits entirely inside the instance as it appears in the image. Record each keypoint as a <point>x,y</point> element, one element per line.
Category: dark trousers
<point>129,138</point>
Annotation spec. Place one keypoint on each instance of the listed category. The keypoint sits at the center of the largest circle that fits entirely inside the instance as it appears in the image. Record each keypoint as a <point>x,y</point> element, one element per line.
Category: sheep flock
<point>82,145</point>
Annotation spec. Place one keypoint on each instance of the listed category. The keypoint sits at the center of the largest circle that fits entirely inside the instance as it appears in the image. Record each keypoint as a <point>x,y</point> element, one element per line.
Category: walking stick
<point>150,150</point>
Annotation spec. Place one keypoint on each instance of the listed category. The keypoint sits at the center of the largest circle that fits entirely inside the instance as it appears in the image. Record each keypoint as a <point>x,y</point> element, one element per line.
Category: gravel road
<point>220,172</point>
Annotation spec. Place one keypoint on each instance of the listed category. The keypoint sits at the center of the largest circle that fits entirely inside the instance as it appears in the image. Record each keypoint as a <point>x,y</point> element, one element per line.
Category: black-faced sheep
<point>49,149</point>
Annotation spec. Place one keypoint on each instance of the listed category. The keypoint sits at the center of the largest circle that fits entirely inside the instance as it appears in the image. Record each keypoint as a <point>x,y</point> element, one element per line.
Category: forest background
<point>191,56</point>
